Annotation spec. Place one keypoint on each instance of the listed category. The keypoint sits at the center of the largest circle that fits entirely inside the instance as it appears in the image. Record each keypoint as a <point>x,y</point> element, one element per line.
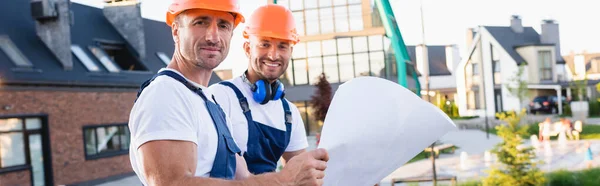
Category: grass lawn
<point>589,132</point>
<point>423,154</point>
<point>561,178</point>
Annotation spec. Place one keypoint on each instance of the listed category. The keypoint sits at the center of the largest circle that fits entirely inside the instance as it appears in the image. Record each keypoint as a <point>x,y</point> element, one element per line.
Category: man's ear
<point>175,31</point>
<point>247,48</point>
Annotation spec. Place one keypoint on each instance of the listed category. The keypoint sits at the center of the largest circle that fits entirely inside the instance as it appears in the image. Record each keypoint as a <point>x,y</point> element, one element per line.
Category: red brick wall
<point>68,112</point>
<point>15,178</point>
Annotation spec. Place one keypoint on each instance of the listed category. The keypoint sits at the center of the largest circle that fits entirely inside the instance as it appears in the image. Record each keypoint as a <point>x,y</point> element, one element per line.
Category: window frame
<point>100,155</point>
<point>541,67</point>
<point>43,131</point>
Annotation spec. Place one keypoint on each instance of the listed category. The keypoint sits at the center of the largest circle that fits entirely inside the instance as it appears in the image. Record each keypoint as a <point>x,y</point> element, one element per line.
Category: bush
<point>594,108</point>
<point>566,178</point>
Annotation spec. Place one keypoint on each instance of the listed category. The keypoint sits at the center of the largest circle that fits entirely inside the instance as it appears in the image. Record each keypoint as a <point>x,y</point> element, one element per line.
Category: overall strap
<point>288,120</point>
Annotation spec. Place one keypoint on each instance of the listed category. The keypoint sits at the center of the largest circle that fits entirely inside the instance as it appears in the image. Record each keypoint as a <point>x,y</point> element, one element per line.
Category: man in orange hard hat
<point>179,136</point>
<point>265,125</point>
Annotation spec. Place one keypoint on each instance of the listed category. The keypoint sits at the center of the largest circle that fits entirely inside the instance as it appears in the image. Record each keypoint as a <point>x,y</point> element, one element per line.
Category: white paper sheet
<point>373,126</point>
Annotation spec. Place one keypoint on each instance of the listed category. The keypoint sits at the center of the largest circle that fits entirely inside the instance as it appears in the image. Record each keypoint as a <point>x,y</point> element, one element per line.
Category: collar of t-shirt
<point>193,83</point>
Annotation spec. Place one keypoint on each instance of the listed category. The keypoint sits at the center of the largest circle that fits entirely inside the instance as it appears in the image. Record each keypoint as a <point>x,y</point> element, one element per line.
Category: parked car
<point>547,104</point>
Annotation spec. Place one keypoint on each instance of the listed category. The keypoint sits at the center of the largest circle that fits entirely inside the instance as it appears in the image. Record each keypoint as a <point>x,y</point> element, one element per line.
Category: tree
<point>517,167</point>
<point>520,90</point>
<point>321,99</point>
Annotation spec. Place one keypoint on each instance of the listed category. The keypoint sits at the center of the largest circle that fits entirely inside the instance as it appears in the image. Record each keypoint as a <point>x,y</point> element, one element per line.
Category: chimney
<point>53,27</point>
<point>126,17</point>
<point>422,59</point>
<point>470,36</point>
<point>452,57</point>
<point>580,68</point>
<point>515,24</point>
<point>550,36</point>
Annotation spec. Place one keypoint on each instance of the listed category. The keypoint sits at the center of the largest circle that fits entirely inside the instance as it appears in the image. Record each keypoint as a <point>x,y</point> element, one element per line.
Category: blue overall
<point>265,143</point>
<point>224,163</point>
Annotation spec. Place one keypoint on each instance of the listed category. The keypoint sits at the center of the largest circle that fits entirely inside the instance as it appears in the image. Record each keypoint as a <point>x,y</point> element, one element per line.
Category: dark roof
<point>510,39</point>
<point>437,59</point>
<point>88,26</point>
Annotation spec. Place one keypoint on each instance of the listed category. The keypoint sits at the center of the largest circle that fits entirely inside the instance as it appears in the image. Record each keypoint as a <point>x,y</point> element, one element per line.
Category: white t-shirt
<point>270,114</point>
<point>168,110</point>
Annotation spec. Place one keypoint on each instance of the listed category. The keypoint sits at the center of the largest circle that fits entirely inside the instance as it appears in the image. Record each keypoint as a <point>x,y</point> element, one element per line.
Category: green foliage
<point>566,178</point>
<point>594,108</point>
<point>520,90</point>
<point>518,166</point>
<point>579,89</point>
<point>448,107</point>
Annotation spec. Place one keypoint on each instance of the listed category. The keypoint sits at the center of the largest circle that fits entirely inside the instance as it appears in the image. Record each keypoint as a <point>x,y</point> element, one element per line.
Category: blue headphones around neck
<point>263,91</point>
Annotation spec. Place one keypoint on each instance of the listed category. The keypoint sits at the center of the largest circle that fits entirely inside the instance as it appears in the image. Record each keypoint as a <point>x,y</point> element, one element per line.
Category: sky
<point>446,21</point>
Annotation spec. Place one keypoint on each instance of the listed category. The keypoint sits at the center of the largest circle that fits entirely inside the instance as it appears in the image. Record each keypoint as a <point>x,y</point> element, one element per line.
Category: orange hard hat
<point>274,21</point>
<point>179,6</point>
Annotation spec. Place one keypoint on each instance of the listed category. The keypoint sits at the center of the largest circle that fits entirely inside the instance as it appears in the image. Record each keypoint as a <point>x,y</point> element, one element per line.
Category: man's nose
<point>212,33</point>
<point>273,53</point>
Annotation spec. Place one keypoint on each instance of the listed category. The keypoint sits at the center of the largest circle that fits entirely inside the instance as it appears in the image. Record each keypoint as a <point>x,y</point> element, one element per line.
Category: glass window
<point>301,105</point>
<point>12,149</point>
<point>84,58</point>
<point>296,5</point>
<point>33,123</point>
<point>475,69</point>
<point>315,68</point>
<point>312,22</point>
<point>545,62</point>
<point>312,120</point>
<point>361,64</point>
<point>377,63</point>
<point>300,72</point>
<point>375,43</point>
<point>11,124</point>
<point>329,47</point>
<point>299,50</point>
<point>343,45</point>
<point>353,1</point>
<point>340,14</point>
<point>387,44</point>
<point>326,17</point>
<point>299,17</point>
<point>308,4</point>
<point>314,48</point>
<point>164,58</point>
<point>339,2</point>
<point>355,16</point>
<point>285,3</point>
<point>346,67</point>
<point>360,44</point>
<point>104,59</point>
<point>13,52</point>
<point>102,141</point>
<point>331,69</point>
<point>324,3</point>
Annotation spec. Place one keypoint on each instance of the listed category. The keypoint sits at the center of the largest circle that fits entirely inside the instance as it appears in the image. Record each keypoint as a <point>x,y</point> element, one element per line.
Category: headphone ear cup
<point>278,90</point>
<point>262,92</point>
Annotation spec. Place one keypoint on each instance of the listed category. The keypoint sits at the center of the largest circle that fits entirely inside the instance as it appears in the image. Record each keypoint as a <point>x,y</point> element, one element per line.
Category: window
<point>299,50</point>
<point>340,13</point>
<point>475,69</point>
<point>315,68</point>
<point>312,22</point>
<point>361,64</point>
<point>285,3</point>
<point>346,67</point>
<point>308,4</point>
<point>107,62</point>
<point>164,58</point>
<point>344,45</point>
<point>329,47</point>
<point>356,17</point>
<point>311,124</point>
<point>13,53</point>
<point>296,5</point>
<point>377,63</point>
<point>375,43</point>
<point>324,3</point>
<point>495,58</point>
<point>121,56</point>
<point>314,48</point>
<point>300,72</point>
<point>545,64</point>
<point>299,17</point>
<point>84,58</point>
<point>331,69</point>
<point>360,44</point>
<point>339,2</point>
<point>106,140</point>
<point>13,132</point>
<point>326,20</point>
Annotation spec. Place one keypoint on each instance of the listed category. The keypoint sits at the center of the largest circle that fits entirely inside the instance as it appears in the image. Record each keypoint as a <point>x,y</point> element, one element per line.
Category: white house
<point>493,56</point>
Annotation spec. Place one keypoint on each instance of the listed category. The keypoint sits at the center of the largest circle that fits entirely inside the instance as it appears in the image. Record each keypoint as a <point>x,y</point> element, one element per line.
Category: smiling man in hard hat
<point>265,125</point>
<point>179,136</point>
